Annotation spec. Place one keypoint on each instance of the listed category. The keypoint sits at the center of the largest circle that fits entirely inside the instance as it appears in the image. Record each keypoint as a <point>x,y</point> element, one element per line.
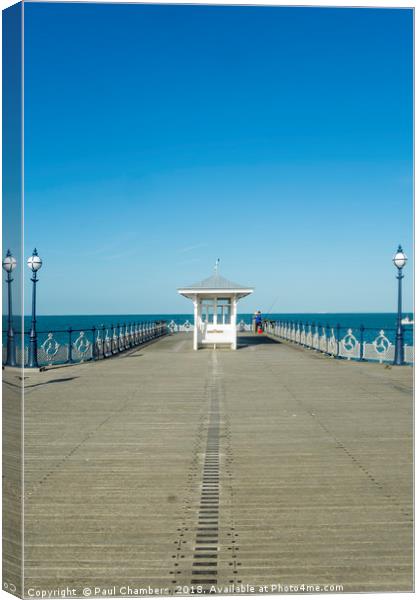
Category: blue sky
<point>158,138</point>
<point>12,146</point>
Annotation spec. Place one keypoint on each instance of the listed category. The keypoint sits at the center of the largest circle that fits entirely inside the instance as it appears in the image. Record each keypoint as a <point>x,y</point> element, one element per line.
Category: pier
<point>170,469</point>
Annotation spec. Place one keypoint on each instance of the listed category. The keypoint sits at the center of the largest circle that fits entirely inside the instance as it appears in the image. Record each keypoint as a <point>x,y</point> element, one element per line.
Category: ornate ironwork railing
<point>187,325</point>
<point>340,342</point>
<point>65,346</point>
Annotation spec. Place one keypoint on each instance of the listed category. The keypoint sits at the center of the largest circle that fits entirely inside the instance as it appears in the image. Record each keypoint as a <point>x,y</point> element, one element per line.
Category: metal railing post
<point>94,348</point>
<point>119,336</point>
<point>361,349</point>
<point>113,337</point>
<point>337,352</point>
<point>126,338</point>
<point>103,341</point>
<point>70,356</point>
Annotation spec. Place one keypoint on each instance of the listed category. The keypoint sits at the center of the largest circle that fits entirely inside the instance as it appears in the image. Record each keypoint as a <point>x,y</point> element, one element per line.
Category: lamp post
<point>34,263</point>
<point>399,261</point>
<point>9,264</point>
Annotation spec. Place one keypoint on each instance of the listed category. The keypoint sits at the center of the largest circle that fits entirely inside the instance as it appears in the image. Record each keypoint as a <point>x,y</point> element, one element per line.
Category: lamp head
<point>9,262</point>
<point>34,262</point>
<point>400,259</point>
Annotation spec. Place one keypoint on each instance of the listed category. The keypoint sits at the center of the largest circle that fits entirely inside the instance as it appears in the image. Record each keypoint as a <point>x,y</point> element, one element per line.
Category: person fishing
<point>258,322</point>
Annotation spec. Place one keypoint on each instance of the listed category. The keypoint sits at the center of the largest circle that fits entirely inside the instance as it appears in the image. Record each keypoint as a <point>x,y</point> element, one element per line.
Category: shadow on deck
<point>253,339</point>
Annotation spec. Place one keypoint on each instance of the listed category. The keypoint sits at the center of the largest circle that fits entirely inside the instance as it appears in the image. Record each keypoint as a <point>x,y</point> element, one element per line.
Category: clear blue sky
<point>158,138</point>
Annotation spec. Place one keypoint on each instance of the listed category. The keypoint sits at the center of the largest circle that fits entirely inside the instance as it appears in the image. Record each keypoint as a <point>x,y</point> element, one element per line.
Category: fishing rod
<point>269,310</point>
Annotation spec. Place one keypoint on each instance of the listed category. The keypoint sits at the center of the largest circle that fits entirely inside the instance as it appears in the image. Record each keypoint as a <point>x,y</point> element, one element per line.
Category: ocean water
<point>373,322</point>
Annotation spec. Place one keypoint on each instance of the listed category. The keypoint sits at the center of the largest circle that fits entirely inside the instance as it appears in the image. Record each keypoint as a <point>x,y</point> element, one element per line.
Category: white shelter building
<point>215,310</point>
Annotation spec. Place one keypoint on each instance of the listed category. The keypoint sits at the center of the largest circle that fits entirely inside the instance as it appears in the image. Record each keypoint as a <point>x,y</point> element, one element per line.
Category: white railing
<point>76,346</point>
<point>335,343</point>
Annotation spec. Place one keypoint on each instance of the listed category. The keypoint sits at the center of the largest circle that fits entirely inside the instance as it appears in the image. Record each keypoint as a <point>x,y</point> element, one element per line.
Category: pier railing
<point>351,344</point>
<point>65,346</point>
<point>185,325</point>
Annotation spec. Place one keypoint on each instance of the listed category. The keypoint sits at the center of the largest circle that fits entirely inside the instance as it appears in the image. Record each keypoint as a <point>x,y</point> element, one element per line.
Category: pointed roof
<point>216,282</point>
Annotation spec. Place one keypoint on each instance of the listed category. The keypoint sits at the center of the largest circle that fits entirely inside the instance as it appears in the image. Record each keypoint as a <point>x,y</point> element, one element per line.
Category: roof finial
<point>216,266</point>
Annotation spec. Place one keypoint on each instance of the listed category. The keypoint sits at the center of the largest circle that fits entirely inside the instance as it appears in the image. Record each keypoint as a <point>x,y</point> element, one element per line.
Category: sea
<point>372,322</point>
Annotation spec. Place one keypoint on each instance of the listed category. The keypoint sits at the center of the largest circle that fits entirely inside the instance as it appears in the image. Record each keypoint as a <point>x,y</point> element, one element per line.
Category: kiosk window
<point>207,311</point>
<point>223,311</point>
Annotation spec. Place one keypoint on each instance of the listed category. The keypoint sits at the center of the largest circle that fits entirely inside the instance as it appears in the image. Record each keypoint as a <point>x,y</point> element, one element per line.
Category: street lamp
<point>9,264</point>
<point>399,261</point>
<point>34,263</point>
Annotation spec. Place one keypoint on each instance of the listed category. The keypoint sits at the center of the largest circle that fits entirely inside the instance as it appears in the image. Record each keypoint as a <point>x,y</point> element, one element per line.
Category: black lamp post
<point>34,263</point>
<point>399,261</point>
<point>9,264</point>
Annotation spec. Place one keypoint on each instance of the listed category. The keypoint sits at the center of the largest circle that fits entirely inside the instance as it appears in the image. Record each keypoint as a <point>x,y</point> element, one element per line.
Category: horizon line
<point>358,312</point>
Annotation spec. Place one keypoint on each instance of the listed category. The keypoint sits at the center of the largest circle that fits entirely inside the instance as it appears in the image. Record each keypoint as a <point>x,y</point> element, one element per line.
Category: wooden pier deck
<point>268,466</point>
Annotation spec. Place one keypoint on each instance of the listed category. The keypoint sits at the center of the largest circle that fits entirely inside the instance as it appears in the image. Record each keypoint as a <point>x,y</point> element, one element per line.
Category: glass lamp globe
<point>9,262</point>
<point>400,259</point>
<point>34,262</point>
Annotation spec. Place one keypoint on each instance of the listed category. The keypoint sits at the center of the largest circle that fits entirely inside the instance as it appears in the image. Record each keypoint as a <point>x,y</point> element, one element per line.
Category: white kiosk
<point>215,308</point>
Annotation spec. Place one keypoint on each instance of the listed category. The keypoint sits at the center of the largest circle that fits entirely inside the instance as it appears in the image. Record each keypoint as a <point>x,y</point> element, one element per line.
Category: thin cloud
<point>121,254</point>
<point>187,262</point>
<point>191,248</point>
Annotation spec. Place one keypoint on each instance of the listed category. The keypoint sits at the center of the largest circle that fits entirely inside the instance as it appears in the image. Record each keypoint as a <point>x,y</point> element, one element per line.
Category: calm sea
<point>373,322</point>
